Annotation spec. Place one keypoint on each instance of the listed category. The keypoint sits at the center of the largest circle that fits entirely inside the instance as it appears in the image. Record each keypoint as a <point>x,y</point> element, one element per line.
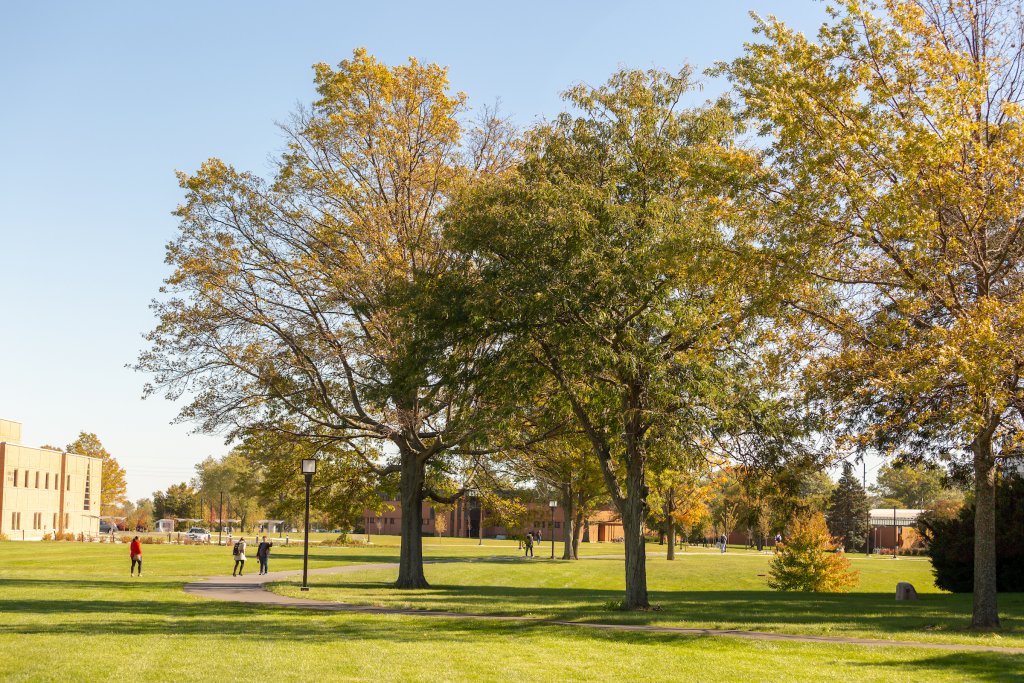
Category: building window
<point>16,521</point>
<point>69,483</point>
<point>37,520</point>
<point>558,525</point>
<point>67,520</point>
<point>26,478</point>
<point>15,478</point>
<point>54,520</point>
<point>47,480</point>
<point>37,478</point>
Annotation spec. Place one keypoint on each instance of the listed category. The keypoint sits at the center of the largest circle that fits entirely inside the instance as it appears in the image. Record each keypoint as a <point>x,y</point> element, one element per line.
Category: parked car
<point>198,535</point>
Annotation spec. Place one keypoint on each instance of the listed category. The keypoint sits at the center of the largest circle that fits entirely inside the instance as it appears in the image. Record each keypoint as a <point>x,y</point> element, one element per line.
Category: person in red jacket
<point>136,553</point>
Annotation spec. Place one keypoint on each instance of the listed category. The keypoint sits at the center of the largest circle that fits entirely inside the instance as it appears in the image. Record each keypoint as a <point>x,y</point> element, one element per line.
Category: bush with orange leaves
<point>808,562</point>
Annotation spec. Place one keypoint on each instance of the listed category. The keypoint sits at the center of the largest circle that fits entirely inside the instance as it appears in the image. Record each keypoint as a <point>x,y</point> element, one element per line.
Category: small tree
<point>849,510</point>
<point>441,519</point>
<point>114,489</point>
<point>806,561</point>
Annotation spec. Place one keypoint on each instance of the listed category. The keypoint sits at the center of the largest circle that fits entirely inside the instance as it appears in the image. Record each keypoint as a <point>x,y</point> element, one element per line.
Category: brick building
<point>463,521</point>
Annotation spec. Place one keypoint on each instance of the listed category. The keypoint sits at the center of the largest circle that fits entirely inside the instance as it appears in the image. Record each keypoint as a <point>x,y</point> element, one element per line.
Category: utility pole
<point>867,541</point>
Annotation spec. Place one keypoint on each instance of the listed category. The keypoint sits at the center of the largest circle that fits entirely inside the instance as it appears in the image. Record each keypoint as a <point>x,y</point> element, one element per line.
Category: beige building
<point>46,491</point>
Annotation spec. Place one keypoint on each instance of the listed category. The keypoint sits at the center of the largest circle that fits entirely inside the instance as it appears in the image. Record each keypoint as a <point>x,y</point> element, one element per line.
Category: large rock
<point>905,591</point>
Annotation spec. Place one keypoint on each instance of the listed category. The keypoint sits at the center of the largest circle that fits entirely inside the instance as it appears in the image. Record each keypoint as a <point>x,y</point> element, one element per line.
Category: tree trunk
<point>634,512</point>
<point>986,612</point>
<point>668,511</point>
<point>577,533</point>
<point>410,559</point>
<point>568,521</point>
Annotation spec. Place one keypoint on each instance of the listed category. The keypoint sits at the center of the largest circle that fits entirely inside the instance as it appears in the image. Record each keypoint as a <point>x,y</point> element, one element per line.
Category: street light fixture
<point>552,504</point>
<point>308,469</point>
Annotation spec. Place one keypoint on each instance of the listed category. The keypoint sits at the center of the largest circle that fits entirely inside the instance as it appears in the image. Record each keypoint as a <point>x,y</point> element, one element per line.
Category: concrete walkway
<point>250,588</point>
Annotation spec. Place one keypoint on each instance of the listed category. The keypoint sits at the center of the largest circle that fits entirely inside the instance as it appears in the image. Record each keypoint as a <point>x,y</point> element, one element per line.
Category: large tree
<point>613,264</point>
<point>566,466</point>
<point>914,485</point>
<point>896,144</point>
<point>297,305</point>
<point>178,501</point>
<point>114,488</point>
<point>679,497</point>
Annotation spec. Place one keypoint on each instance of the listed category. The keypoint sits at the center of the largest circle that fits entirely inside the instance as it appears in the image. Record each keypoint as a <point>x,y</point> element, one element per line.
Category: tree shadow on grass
<point>975,666</point>
<point>833,613</point>
<point>295,553</point>
<point>223,621</point>
<point>59,586</point>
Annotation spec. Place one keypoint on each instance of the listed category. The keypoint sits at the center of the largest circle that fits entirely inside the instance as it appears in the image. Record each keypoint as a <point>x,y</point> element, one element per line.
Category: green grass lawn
<point>700,589</point>
<point>69,612</point>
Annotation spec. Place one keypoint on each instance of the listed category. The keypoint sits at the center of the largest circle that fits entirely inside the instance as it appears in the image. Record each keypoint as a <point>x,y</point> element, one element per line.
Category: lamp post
<point>552,504</point>
<point>308,469</point>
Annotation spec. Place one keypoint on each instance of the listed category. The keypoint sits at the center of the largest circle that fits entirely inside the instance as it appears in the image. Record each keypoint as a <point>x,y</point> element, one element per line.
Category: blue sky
<point>101,103</point>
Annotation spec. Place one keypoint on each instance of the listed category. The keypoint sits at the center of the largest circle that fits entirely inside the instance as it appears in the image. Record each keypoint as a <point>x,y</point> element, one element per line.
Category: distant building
<point>45,492</point>
<point>887,526</point>
<point>603,525</point>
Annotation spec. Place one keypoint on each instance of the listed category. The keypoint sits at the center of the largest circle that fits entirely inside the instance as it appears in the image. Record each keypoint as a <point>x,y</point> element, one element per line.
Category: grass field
<point>703,589</point>
<point>69,612</point>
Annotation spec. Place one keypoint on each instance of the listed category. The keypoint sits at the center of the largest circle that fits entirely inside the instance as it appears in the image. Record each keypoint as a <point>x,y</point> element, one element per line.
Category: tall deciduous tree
<point>340,493</point>
<point>896,143</point>
<point>914,485</point>
<point>178,501</point>
<point>680,493</point>
<point>613,263</point>
<point>296,305</point>
<point>567,466</point>
<point>114,488</point>
<point>849,510</point>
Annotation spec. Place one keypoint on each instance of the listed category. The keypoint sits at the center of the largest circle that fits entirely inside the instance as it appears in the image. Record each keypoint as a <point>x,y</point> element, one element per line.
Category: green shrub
<point>951,541</point>
<point>343,541</point>
<point>807,561</point>
<point>144,540</point>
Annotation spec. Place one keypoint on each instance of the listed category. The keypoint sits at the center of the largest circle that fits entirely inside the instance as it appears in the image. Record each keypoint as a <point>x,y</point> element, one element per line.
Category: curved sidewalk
<point>251,588</point>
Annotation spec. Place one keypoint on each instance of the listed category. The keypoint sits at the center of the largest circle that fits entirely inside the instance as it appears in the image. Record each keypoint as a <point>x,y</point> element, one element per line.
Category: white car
<point>198,535</point>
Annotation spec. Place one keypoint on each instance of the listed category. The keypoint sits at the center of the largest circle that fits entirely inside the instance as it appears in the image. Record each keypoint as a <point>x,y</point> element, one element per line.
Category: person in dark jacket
<point>529,545</point>
<point>263,555</point>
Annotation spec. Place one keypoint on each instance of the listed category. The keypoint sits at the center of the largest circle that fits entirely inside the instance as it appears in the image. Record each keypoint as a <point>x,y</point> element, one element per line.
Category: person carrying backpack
<point>529,545</point>
<point>239,553</point>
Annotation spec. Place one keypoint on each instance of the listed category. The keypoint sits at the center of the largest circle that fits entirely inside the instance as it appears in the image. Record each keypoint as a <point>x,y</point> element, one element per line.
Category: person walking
<point>263,555</point>
<point>529,545</point>
<point>239,553</point>
<point>135,550</point>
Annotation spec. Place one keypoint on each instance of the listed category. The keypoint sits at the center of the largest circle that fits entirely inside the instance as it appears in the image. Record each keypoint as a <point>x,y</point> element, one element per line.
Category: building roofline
<point>50,450</point>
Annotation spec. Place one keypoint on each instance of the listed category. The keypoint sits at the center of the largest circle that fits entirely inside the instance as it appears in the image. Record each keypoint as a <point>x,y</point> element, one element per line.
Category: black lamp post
<point>308,469</point>
<point>552,504</point>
